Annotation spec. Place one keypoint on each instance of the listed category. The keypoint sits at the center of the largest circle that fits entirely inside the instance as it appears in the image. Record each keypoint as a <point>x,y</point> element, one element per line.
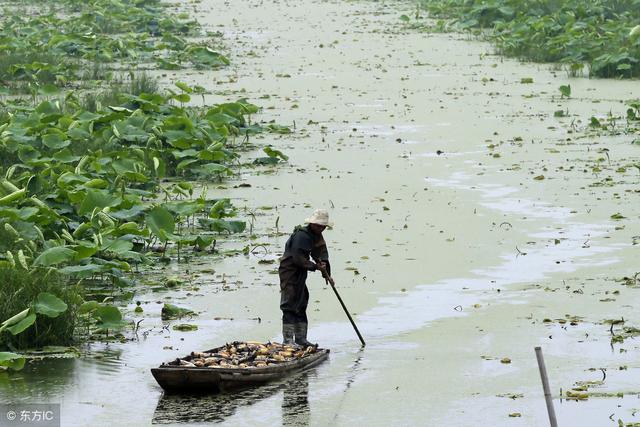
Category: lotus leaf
<point>54,256</point>
<point>11,361</point>
<point>49,305</point>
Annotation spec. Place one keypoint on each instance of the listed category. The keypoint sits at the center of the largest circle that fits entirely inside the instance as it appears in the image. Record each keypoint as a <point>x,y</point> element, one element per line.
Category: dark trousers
<point>294,298</point>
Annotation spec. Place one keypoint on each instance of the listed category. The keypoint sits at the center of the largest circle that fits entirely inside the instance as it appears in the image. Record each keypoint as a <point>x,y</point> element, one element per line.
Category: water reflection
<point>295,402</point>
<point>216,408</point>
<point>39,381</point>
<point>355,368</point>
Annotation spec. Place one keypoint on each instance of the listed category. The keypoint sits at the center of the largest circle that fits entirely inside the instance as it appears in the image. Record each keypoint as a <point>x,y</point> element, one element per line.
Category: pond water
<point>450,257</point>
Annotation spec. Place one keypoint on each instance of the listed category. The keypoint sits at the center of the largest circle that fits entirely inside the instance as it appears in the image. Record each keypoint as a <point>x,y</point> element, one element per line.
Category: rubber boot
<point>301,335</point>
<point>288,330</point>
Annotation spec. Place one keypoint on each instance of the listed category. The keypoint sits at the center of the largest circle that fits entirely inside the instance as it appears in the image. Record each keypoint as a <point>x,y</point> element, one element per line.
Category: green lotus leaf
<point>11,361</point>
<point>49,305</point>
<point>54,256</point>
<point>100,199</point>
<point>160,222</point>
<point>23,324</point>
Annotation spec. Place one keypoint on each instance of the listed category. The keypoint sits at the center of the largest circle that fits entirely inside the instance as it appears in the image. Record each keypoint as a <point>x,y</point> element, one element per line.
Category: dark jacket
<point>302,246</point>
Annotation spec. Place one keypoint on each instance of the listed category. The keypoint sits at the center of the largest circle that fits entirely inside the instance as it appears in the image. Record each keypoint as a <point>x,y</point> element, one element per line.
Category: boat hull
<point>213,380</point>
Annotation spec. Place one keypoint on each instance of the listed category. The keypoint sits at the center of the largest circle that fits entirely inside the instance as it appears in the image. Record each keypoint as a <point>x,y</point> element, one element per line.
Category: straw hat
<point>320,217</point>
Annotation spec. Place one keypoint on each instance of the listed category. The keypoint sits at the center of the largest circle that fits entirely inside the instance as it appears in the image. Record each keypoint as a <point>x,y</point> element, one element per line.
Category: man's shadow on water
<point>216,408</point>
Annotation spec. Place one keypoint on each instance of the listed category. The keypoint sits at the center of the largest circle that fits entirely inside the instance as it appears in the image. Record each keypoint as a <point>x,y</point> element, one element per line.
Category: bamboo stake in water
<point>545,388</point>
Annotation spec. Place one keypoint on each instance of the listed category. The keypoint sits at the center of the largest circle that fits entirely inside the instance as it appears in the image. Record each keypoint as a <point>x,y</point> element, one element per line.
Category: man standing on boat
<point>305,244</point>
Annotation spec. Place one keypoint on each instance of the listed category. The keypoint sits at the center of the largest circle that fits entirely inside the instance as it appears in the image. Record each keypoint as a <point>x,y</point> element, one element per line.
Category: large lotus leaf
<point>129,132</point>
<point>26,230</point>
<point>185,87</point>
<point>221,208</point>
<point>26,213</point>
<point>87,116</point>
<point>132,256</point>
<point>210,169</point>
<point>28,154</point>
<point>122,166</point>
<point>49,305</point>
<point>185,208</point>
<point>88,306</point>
<point>182,143</point>
<point>202,56</point>
<point>212,156</point>
<point>118,246</point>
<point>185,164</point>
<point>170,312</point>
<point>180,154</point>
<point>218,118</point>
<point>109,313</point>
<point>15,318</point>
<point>100,199</point>
<point>160,222</point>
<point>81,271</point>
<point>13,214</point>
<point>109,317</point>
<point>130,213</point>
<point>10,214</point>
<point>130,229</point>
<point>53,256</point>
<point>275,153</point>
<point>178,122</point>
<point>23,324</point>
<point>203,241</point>
<point>11,361</point>
<point>85,249</point>
<point>234,109</point>
<point>79,133</point>
<point>69,179</point>
<point>49,107</point>
<point>176,131</point>
<point>181,97</point>
<point>55,140</point>
<point>135,177</point>
<point>96,183</point>
<point>66,156</point>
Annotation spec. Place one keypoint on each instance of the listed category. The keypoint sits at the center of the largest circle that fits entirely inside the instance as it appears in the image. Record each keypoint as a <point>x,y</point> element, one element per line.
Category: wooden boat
<point>173,377</point>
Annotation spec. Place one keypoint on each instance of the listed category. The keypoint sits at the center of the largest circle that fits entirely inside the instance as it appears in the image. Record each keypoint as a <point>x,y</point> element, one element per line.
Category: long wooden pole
<point>545,387</point>
<point>330,281</point>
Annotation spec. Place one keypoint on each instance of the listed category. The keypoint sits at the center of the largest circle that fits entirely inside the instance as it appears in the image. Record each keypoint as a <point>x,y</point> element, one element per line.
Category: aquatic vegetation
<point>95,183</point>
<point>37,309</point>
<point>57,48</point>
<point>100,317</point>
<point>171,312</point>
<point>599,34</point>
<point>81,191</point>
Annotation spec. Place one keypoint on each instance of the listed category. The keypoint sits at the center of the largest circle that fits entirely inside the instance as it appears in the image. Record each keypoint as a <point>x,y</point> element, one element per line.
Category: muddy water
<point>450,257</point>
